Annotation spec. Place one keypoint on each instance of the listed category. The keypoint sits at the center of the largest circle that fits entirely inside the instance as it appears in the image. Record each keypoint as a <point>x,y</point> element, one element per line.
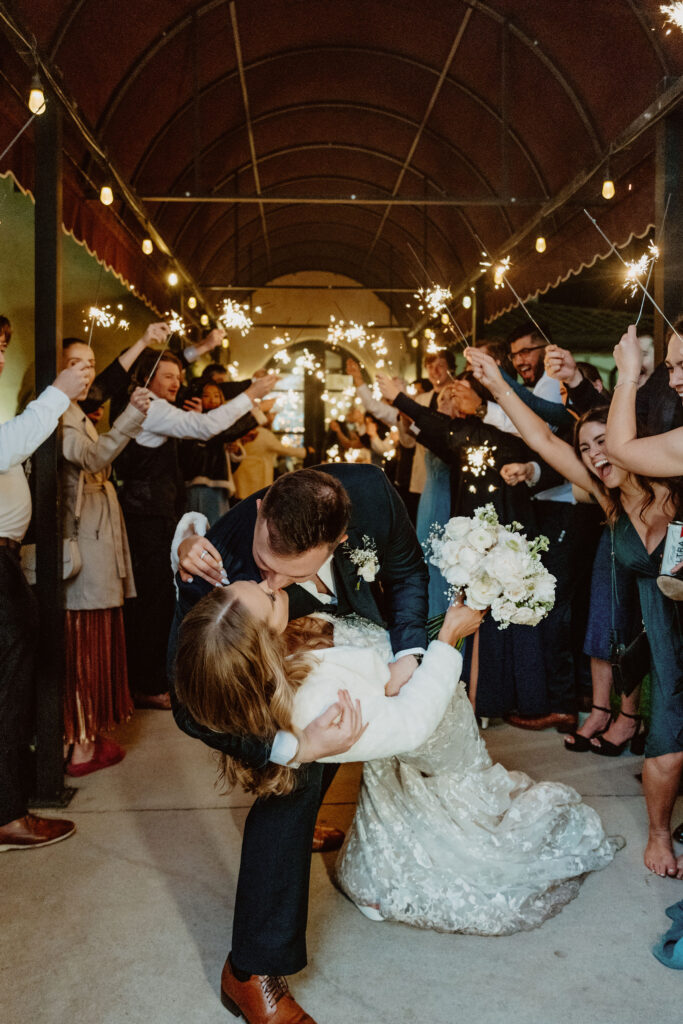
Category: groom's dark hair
<point>305,510</point>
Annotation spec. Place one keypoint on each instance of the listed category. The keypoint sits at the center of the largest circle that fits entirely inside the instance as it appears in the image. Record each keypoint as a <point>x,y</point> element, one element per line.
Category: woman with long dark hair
<point>639,510</point>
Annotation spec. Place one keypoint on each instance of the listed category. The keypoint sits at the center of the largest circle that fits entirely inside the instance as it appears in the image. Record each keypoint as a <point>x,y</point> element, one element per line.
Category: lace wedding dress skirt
<point>442,838</point>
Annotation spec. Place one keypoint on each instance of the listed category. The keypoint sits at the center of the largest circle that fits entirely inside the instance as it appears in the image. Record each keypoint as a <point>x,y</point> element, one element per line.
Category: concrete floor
<point>129,920</point>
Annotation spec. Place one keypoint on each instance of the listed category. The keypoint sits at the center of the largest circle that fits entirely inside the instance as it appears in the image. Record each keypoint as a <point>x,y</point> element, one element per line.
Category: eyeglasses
<point>525,351</point>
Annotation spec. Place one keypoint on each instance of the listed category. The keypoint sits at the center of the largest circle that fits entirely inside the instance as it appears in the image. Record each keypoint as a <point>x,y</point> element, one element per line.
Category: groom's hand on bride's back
<point>333,732</point>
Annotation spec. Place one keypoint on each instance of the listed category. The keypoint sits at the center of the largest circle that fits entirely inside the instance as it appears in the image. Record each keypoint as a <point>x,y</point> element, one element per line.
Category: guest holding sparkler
<point>640,510</point>
<point>152,496</point>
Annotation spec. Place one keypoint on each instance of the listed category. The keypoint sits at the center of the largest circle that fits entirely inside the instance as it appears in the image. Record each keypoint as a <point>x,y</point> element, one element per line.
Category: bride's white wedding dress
<point>442,838</point>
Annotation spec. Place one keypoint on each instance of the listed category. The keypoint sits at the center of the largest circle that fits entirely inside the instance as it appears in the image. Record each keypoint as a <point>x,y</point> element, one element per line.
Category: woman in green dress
<point>640,510</point>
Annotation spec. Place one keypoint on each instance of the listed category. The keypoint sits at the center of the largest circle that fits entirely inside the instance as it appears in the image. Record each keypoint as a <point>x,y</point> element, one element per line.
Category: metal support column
<point>669,189</point>
<point>49,785</point>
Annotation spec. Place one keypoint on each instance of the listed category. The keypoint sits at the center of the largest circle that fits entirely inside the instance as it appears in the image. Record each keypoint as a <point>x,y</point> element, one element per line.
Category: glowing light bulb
<point>467,301</point>
<point>36,97</point>
<point>172,279</point>
<point>106,195</point>
<point>204,320</point>
<point>608,189</point>
<point>147,246</point>
<point>414,342</point>
<point>191,302</point>
<point>540,244</point>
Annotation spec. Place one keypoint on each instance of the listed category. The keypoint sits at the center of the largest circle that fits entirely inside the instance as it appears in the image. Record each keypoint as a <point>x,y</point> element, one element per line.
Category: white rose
<point>544,589</point>
<point>450,551</point>
<point>456,575</point>
<point>457,528</point>
<point>525,617</point>
<point>480,538</point>
<point>502,564</point>
<point>368,572</point>
<point>482,591</point>
<point>503,610</point>
<point>468,558</point>
<point>515,590</point>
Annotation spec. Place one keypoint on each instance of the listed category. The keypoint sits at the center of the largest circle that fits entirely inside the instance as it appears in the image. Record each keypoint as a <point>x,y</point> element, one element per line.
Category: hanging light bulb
<point>106,195</point>
<point>147,246</point>
<point>608,189</point>
<point>467,301</point>
<point>36,97</point>
<point>414,342</point>
<point>204,320</point>
<point>172,278</point>
<point>540,244</point>
<point>191,302</point>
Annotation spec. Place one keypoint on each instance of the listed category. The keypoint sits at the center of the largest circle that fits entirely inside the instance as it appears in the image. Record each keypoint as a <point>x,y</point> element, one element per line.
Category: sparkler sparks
<point>103,316</point>
<point>479,459</point>
<point>339,332</point>
<point>235,317</point>
<point>498,269</point>
<point>433,300</point>
<point>636,270</point>
<point>176,323</point>
<point>673,13</point>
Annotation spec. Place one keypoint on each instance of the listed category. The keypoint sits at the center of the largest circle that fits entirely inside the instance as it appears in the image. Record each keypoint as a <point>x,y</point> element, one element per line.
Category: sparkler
<point>479,459</point>
<point>637,269</point>
<point>176,325</point>
<point>674,14</point>
<point>235,317</point>
<point>501,269</point>
<point>18,135</point>
<point>439,292</point>
<point>339,333</point>
<point>642,287</point>
<point>433,300</point>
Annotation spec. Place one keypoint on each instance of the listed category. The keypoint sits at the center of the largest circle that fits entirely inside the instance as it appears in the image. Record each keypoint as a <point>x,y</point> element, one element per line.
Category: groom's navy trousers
<point>271,904</point>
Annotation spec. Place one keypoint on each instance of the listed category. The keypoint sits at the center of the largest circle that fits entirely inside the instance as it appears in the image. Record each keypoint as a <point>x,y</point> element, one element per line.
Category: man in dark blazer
<point>306,533</point>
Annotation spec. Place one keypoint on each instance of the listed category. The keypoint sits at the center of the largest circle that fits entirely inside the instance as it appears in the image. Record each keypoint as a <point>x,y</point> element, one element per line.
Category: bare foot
<point>659,856</point>
<point>595,723</point>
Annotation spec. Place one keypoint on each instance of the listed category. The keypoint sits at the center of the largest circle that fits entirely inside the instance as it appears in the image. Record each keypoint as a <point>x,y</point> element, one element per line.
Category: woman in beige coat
<point>96,695</point>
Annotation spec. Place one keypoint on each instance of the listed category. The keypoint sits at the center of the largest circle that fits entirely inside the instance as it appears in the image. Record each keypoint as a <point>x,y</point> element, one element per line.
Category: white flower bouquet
<point>495,566</point>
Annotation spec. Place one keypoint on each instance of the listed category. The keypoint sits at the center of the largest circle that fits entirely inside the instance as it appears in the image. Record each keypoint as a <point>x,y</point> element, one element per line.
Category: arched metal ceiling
<point>485,114</point>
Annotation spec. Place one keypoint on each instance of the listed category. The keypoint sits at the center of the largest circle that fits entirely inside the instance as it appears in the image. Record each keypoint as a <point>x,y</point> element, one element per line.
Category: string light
<point>204,321</point>
<point>106,195</point>
<point>540,244</point>
<point>172,278</point>
<point>191,302</point>
<point>608,189</point>
<point>36,97</point>
<point>147,246</point>
<point>467,301</point>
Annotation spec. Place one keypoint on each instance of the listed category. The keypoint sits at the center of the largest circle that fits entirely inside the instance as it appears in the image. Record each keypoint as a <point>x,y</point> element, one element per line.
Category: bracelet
<point>629,381</point>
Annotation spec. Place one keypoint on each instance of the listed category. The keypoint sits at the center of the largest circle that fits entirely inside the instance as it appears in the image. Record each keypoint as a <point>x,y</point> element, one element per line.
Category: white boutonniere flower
<point>365,559</point>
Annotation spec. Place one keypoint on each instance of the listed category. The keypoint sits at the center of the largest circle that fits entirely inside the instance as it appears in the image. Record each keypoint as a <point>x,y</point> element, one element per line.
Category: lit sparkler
<point>674,14</point>
<point>176,324</point>
<point>101,317</point>
<point>235,317</point>
<point>479,459</point>
<point>433,300</point>
<point>339,333</point>
<point>499,269</point>
<point>636,270</point>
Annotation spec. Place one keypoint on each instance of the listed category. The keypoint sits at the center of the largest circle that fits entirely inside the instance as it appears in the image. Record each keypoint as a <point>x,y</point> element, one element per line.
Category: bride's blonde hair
<point>234,674</point>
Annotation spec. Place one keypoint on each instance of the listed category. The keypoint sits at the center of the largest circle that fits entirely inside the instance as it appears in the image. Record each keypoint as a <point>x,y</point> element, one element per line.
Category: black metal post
<point>49,787</point>
<point>669,189</point>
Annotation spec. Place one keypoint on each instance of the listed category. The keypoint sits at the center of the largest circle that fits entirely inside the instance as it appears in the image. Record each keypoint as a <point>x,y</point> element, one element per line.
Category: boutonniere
<point>365,559</point>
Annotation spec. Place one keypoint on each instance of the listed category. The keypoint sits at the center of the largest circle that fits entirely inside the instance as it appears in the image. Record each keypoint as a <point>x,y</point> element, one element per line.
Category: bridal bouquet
<point>495,566</point>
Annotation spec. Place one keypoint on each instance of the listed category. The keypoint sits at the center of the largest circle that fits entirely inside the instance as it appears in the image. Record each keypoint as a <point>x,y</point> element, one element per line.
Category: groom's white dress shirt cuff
<point>285,746</point>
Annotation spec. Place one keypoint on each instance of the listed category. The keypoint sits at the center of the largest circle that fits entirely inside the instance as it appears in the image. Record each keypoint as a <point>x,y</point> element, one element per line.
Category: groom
<point>338,538</point>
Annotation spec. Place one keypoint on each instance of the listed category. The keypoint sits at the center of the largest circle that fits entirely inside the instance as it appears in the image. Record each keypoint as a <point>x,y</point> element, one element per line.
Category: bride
<point>441,838</point>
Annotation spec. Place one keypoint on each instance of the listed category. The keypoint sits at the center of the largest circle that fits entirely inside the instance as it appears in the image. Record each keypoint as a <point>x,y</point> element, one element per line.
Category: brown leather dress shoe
<point>559,720</point>
<point>30,832</point>
<point>326,838</point>
<point>264,999</point>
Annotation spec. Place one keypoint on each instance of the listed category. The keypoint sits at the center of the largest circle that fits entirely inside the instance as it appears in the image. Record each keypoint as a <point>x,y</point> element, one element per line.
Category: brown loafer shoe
<point>559,720</point>
<point>30,832</point>
<point>326,838</point>
<point>264,999</point>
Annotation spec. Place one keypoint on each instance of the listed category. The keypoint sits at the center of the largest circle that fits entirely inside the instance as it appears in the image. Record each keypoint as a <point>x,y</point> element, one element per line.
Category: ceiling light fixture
<point>36,97</point>
<point>106,195</point>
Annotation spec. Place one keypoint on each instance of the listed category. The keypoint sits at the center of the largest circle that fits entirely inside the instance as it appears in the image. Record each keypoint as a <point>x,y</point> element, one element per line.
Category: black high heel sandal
<point>583,743</point>
<point>636,742</point>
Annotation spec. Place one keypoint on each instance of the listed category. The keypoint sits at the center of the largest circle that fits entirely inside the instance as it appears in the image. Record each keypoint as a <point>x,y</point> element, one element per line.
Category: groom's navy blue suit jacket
<point>396,600</point>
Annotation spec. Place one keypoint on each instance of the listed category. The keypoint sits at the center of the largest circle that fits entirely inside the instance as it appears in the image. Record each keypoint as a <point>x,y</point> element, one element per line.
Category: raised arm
<point>553,413</point>
<point>93,456</point>
<point>556,452</point>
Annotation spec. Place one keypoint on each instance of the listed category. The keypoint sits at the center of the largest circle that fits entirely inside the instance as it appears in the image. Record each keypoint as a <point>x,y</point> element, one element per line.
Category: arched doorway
<point>313,390</point>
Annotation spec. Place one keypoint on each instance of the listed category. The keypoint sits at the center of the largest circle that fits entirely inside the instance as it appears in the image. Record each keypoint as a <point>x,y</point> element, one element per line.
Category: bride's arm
<point>401,723</point>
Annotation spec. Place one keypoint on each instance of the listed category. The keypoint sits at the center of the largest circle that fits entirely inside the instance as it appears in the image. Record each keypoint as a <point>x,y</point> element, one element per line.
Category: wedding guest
<point>19,438</point>
<point>152,495</point>
<point>206,466</point>
<point>96,694</point>
<point>257,466</point>
<point>640,509</point>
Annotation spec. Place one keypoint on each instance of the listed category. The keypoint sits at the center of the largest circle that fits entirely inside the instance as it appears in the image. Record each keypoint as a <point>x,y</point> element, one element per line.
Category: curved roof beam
<point>301,226</point>
<point>533,47</point>
<point>63,27</point>
<point>276,112</point>
<point>304,147</point>
<point>650,34</point>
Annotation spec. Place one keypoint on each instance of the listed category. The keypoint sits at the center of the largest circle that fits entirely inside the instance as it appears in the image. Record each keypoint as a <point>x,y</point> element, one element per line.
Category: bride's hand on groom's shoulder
<point>198,557</point>
<point>333,732</point>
